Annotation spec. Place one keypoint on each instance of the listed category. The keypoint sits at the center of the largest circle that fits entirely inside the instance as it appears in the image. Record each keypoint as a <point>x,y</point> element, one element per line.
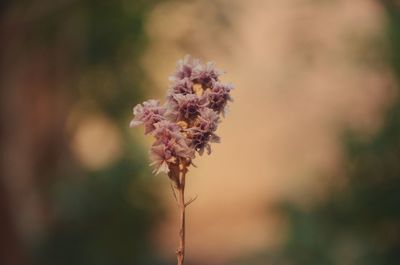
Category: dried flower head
<point>187,107</point>
<point>184,125</point>
<point>187,122</point>
<point>203,131</point>
<point>207,75</point>
<point>218,96</point>
<point>148,114</point>
<point>183,87</point>
<point>187,69</point>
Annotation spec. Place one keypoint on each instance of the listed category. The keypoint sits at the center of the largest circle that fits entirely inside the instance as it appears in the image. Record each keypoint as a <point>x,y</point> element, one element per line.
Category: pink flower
<point>207,75</point>
<point>184,87</point>
<point>148,114</point>
<point>161,157</point>
<point>166,130</point>
<point>187,107</point>
<point>188,69</point>
<point>218,96</point>
<point>170,146</point>
<point>203,131</point>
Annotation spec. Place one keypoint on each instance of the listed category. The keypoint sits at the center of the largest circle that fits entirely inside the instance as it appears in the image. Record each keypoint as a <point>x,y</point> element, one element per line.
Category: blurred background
<point>308,171</point>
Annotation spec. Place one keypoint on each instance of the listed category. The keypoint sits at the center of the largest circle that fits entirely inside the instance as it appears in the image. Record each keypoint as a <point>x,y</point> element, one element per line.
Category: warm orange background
<point>302,81</point>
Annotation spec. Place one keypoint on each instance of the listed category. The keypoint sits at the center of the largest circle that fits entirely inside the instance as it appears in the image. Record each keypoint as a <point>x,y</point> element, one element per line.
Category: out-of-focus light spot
<point>96,142</point>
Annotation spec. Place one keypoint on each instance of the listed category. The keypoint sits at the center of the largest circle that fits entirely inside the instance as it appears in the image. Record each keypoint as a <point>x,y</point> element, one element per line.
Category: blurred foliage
<point>103,40</point>
<point>104,219</point>
<point>360,223</point>
<point>100,216</point>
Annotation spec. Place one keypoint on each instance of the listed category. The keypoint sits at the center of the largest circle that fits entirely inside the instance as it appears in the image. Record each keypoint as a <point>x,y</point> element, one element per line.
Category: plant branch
<point>190,201</point>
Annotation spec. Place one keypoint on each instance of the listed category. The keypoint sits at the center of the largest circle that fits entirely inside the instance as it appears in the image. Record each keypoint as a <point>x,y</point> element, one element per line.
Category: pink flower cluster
<point>187,121</point>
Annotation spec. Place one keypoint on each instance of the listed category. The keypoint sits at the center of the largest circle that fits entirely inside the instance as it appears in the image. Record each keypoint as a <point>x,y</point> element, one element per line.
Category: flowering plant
<point>184,125</point>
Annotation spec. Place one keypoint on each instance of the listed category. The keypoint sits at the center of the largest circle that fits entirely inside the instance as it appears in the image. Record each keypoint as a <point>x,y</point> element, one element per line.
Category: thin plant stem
<point>180,253</point>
